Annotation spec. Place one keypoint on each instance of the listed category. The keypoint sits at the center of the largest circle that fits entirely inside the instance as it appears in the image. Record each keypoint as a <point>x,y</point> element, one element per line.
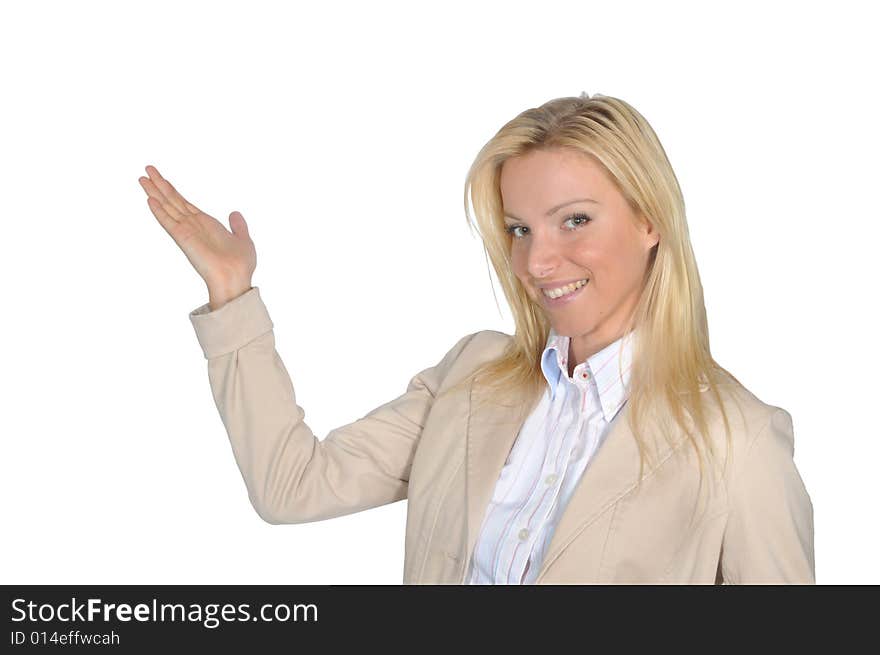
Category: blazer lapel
<point>491,432</point>
<point>612,471</point>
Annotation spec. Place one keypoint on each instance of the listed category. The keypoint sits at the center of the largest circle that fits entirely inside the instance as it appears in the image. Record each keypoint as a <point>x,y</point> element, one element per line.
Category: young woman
<point>601,443</point>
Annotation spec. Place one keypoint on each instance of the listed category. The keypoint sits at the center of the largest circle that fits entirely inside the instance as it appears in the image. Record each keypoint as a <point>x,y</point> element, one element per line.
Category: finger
<point>160,198</point>
<point>173,195</point>
<point>170,195</point>
<point>165,220</point>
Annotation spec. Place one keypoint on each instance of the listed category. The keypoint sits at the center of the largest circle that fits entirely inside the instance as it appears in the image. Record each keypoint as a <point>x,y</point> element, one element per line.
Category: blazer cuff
<point>234,325</point>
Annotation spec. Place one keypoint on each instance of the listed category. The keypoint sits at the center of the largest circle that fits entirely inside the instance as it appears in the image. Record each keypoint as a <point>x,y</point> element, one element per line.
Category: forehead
<point>544,178</point>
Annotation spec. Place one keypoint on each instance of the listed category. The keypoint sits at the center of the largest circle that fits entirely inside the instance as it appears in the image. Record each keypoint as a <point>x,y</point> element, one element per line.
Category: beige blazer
<point>444,456</point>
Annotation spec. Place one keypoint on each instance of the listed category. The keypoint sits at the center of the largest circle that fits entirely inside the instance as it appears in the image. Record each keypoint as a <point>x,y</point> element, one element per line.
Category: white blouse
<point>551,452</point>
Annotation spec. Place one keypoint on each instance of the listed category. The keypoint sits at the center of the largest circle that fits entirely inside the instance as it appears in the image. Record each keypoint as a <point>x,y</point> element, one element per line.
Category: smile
<point>562,291</point>
<point>564,295</point>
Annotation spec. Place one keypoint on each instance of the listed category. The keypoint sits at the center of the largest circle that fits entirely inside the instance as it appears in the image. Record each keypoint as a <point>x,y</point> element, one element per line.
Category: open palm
<point>224,259</point>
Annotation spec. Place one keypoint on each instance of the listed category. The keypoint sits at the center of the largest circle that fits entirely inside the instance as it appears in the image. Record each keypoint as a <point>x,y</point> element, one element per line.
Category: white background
<point>343,133</point>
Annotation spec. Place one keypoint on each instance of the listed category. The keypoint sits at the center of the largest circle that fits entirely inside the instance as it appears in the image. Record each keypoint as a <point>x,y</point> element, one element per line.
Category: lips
<point>549,291</point>
<point>562,300</point>
<point>559,283</point>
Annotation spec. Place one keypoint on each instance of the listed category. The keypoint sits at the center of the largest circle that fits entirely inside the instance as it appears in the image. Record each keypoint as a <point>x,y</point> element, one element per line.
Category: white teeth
<point>561,291</point>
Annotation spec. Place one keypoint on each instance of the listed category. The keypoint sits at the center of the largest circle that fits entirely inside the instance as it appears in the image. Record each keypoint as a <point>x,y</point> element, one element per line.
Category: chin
<point>569,330</point>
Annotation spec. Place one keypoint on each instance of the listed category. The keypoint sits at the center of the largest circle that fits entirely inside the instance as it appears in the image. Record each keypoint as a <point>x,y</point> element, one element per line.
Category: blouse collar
<point>604,370</point>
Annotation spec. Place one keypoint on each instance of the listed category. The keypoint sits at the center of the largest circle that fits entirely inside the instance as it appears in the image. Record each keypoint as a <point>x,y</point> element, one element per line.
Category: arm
<point>291,476</point>
<point>769,534</point>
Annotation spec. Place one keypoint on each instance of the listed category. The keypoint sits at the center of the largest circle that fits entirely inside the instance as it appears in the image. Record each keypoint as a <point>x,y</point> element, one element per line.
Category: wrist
<point>218,298</point>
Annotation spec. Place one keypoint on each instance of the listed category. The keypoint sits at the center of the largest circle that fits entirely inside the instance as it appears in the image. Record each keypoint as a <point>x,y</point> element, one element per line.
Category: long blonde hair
<point>671,357</point>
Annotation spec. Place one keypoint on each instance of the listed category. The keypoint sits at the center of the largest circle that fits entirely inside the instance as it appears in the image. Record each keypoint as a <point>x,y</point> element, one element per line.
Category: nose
<point>542,258</point>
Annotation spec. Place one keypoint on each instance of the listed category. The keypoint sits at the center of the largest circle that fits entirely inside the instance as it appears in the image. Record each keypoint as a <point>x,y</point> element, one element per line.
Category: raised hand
<point>225,260</point>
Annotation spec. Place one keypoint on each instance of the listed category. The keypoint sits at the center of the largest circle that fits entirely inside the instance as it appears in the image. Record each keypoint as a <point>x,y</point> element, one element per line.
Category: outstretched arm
<point>291,476</point>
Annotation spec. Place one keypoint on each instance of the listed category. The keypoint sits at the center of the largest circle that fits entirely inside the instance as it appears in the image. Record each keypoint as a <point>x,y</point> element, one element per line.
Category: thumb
<point>238,225</point>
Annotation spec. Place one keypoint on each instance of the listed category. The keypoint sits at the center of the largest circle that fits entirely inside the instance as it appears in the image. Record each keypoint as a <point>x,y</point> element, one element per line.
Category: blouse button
<point>523,534</point>
<point>550,479</point>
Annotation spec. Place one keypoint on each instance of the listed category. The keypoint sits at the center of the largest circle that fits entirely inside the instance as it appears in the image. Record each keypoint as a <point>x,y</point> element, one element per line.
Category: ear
<point>649,232</point>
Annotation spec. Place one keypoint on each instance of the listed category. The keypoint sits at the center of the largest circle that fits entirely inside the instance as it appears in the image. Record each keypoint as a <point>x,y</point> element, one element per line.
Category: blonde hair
<point>671,357</point>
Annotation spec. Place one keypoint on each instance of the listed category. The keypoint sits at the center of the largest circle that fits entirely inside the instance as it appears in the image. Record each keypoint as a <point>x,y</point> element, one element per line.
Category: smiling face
<point>554,241</point>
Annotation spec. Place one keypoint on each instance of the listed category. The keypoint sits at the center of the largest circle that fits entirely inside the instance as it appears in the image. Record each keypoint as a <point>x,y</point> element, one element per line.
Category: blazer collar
<point>612,472</point>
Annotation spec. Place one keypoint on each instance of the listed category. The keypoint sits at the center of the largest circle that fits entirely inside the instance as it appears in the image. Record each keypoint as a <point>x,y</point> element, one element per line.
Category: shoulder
<point>491,342</point>
<point>469,353</point>
<point>749,419</point>
<point>751,411</point>
<point>486,346</point>
<point>479,347</point>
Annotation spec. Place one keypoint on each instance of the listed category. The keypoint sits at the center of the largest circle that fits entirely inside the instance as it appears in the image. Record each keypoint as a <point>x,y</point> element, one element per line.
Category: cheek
<point>518,262</point>
<point>621,270</point>
<point>518,266</point>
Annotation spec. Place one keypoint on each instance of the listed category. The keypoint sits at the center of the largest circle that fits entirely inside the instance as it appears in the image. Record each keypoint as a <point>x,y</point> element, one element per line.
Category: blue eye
<point>583,218</point>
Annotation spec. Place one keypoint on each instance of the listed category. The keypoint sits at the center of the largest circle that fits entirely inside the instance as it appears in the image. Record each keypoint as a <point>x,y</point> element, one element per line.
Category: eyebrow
<point>555,209</point>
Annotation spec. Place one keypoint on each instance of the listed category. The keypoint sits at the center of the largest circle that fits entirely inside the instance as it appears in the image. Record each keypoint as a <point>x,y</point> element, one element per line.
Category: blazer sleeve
<point>769,533</point>
<point>291,475</point>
